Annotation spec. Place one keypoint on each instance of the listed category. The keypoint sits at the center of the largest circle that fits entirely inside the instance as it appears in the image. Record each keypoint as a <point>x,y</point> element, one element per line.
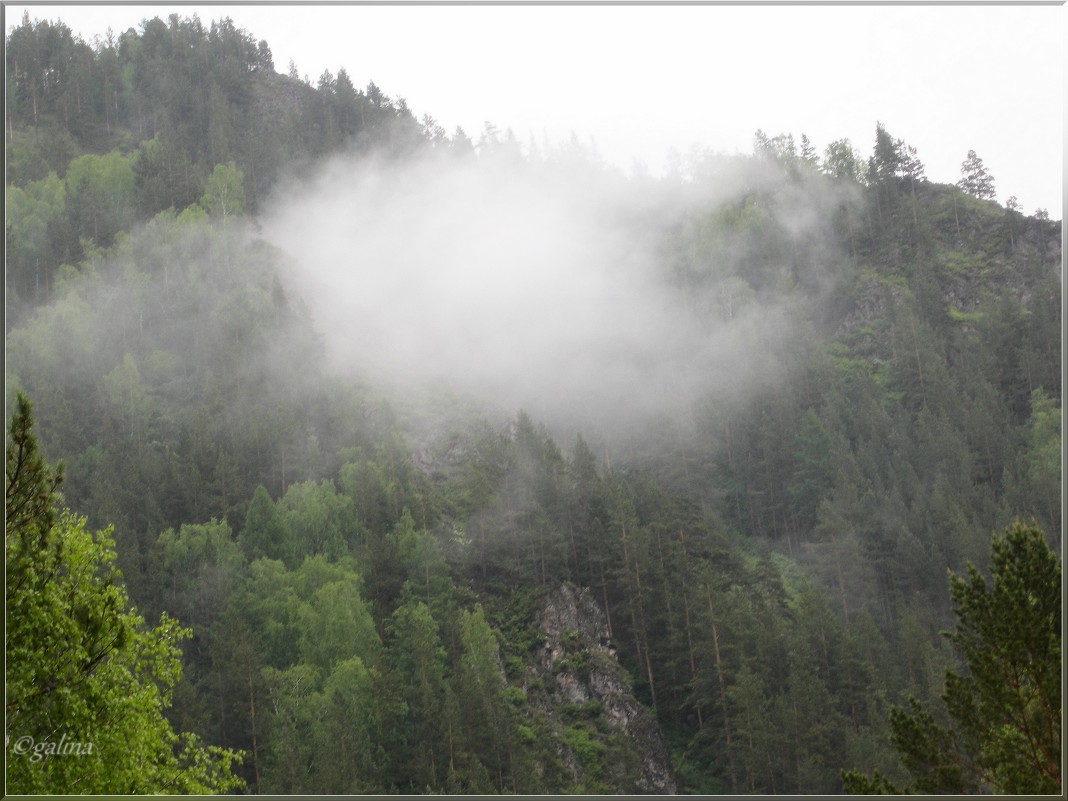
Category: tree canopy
<point>354,584</point>
<point>1005,709</point>
<point>87,683</point>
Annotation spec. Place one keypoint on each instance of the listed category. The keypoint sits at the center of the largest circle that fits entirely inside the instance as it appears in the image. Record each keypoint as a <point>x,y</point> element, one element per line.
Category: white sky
<point>639,80</point>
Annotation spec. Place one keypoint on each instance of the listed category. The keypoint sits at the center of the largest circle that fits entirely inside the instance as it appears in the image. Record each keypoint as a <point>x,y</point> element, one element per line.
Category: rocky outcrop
<point>578,667</point>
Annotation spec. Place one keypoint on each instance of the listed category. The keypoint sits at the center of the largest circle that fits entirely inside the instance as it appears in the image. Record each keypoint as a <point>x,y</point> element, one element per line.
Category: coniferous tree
<point>975,180</point>
<point>264,533</point>
<point>926,414</point>
<point>886,158</point>
<point>419,664</point>
<point>910,166</point>
<point>808,152</point>
<point>1006,708</point>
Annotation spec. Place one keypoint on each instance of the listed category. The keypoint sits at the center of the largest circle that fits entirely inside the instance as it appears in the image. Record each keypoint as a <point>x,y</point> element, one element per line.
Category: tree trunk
<point>723,696</point>
<point>604,594</point>
<point>252,716</point>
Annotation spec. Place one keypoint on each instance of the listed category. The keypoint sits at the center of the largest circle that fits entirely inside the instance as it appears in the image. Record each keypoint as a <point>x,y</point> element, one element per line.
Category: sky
<point>640,82</point>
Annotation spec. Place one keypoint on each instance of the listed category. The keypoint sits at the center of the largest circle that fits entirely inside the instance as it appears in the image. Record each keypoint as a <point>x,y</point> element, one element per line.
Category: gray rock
<point>578,663</point>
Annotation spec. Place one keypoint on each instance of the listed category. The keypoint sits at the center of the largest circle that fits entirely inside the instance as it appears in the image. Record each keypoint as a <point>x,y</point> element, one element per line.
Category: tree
<point>808,152</point>
<point>318,519</point>
<point>164,177</point>
<point>294,718</point>
<point>337,626</point>
<point>1042,459</point>
<point>910,165</point>
<point>224,194</point>
<point>461,143</point>
<point>911,168</point>
<point>35,217</point>
<point>812,476</point>
<point>781,149</point>
<point>1006,709</point>
<point>347,104</point>
<point>418,658</point>
<point>419,555</point>
<point>101,196</point>
<point>203,564</point>
<point>485,711</point>
<point>886,157</point>
<point>30,499</point>
<point>265,533</point>
<point>87,684</point>
<point>350,759</point>
<point>975,180</point>
<point>842,161</point>
<point>264,57</point>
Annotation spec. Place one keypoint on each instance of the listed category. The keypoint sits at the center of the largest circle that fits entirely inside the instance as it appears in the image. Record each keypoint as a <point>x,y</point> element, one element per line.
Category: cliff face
<point>610,742</point>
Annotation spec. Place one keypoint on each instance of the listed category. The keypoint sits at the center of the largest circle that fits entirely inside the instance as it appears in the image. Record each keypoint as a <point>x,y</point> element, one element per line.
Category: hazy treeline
<point>102,136</point>
<point>352,417</point>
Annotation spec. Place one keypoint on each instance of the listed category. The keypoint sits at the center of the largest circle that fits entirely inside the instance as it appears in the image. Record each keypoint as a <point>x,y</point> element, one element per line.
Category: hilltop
<point>838,379</point>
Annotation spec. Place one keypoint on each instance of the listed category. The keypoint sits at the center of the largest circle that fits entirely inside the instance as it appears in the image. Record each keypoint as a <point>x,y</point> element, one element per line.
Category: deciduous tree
<point>87,683</point>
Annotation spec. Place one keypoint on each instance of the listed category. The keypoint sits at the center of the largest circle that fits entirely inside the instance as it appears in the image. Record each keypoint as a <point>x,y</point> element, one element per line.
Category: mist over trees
<point>352,399</point>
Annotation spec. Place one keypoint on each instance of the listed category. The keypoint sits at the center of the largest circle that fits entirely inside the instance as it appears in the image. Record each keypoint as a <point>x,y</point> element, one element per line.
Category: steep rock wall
<point>593,701</point>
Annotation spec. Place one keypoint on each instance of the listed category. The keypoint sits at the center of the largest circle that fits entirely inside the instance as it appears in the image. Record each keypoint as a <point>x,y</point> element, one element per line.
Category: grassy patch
<point>587,750</point>
<point>964,317</point>
<point>584,711</point>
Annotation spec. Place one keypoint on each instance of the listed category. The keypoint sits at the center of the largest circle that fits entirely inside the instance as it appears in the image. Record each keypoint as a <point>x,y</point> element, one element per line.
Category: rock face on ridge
<point>603,724</point>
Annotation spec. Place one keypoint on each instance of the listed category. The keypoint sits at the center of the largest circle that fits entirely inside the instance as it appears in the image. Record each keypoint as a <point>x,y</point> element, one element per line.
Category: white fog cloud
<point>533,286</point>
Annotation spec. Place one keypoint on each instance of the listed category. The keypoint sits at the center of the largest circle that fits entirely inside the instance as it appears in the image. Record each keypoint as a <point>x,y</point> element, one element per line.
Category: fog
<point>545,285</point>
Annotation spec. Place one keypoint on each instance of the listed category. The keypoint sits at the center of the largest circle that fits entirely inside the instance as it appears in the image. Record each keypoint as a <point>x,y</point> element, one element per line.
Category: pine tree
<point>886,157</point>
<point>1006,708</point>
<point>975,180</point>
<point>808,152</point>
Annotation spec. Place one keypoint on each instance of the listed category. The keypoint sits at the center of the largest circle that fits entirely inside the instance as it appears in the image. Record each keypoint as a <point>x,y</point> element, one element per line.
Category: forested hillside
<point>722,577</point>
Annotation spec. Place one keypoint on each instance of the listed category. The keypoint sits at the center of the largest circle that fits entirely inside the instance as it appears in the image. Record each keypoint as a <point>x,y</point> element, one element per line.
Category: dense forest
<point>727,575</point>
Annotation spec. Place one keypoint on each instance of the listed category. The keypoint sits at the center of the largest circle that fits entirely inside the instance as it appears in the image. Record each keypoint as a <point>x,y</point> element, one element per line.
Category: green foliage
<point>771,568</point>
<point>100,192</point>
<point>975,180</point>
<point>224,193</point>
<point>419,661</point>
<point>35,235</point>
<point>269,601</point>
<point>30,505</point>
<point>336,625</point>
<point>318,519</point>
<point>842,161</point>
<point>856,783</point>
<point>585,748</point>
<point>166,178</point>
<point>349,750</point>
<point>1006,709</point>
<point>87,683</point>
<point>203,564</point>
<point>886,159</point>
<point>487,706</point>
<point>812,476</point>
<point>186,113</point>
<point>265,534</point>
<point>587,710</point>
<point>1043,456</point>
